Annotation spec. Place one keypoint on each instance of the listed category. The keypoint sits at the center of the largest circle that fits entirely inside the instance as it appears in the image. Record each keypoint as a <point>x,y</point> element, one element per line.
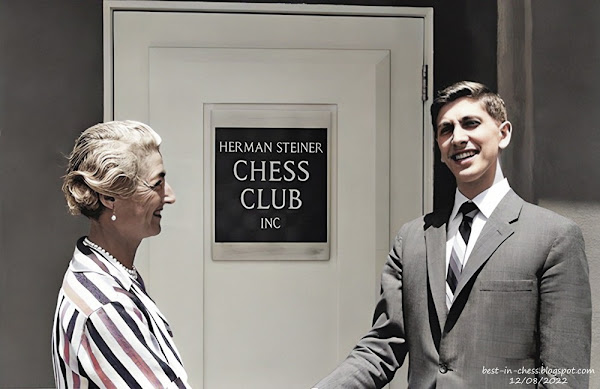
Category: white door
<point>275,322</point>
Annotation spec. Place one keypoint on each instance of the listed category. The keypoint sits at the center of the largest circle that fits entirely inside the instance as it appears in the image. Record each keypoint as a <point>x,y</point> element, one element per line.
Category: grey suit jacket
<point>522,309</point>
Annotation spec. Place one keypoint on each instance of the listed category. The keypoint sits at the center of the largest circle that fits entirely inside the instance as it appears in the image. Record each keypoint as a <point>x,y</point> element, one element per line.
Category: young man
<point>485,295</point>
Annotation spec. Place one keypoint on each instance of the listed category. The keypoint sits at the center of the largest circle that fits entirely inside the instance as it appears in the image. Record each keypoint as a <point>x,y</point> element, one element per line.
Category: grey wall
<point>566,78</point>
<point>548,61</point>
<point>566,95</point>
<point>515,85</point>
<point>50,89</point>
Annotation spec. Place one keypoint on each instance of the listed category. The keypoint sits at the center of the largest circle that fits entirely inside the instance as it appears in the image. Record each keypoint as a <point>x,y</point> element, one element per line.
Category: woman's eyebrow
<point>158,176</point>
<point>162,174</point>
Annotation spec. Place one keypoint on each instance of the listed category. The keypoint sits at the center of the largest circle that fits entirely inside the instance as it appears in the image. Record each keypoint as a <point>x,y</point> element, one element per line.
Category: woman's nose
<point>169,194</point>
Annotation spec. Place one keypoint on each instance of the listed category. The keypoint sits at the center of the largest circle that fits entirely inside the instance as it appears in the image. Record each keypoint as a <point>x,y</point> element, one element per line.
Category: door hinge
<point>424,83</point>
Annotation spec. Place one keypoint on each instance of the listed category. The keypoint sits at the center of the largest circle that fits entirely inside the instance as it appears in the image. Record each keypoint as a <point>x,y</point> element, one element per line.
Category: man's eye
<point>471,123</point>
<point>157,184</point>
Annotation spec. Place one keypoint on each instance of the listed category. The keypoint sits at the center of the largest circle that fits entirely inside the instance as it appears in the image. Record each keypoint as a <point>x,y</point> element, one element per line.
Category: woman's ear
<point>107,201</point>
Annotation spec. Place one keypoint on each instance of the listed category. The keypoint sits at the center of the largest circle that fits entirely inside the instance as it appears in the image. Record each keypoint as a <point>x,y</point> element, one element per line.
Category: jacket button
<point>443,368</point>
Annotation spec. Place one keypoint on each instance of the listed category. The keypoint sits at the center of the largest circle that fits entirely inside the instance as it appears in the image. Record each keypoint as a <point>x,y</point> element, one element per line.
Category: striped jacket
<point>108,333</point>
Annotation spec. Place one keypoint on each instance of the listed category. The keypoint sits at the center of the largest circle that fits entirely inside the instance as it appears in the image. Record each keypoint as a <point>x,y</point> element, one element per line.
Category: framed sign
<point>270,181</point>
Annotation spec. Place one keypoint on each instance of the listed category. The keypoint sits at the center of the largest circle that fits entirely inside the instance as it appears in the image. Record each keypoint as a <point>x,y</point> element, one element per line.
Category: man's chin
<point>465,175</point>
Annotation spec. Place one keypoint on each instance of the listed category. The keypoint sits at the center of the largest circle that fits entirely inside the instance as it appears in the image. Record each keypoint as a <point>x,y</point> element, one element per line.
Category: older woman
<point>107,331</point>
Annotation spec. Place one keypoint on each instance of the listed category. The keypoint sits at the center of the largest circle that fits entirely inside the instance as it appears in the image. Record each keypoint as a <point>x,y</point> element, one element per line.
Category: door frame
<point>110,6</point>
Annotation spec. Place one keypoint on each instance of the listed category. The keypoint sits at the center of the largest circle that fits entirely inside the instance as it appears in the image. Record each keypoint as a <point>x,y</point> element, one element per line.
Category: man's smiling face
<point>470,141</point>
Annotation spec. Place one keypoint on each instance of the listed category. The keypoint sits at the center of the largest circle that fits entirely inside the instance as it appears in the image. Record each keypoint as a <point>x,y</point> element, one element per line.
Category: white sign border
<point>269,116</point>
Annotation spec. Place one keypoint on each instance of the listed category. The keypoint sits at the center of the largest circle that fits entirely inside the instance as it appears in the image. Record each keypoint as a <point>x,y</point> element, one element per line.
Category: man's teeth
<point>464,155</point>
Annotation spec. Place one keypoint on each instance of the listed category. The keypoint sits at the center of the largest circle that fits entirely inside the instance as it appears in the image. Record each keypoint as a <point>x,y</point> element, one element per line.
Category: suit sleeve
<point>118,349</point>
<point>375,359</point>
<point>565,313</point>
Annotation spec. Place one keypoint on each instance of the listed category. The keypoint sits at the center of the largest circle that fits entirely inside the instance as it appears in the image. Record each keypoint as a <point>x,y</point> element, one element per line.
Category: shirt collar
<point>486,201</point>
<point>87,259</point>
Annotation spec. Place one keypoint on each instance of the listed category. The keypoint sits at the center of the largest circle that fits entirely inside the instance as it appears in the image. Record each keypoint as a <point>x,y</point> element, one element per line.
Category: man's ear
<point>107,201</point>
<point>505,134</point>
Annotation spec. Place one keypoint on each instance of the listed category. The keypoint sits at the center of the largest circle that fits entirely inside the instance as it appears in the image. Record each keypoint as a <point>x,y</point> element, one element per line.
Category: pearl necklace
<point>132,272</point>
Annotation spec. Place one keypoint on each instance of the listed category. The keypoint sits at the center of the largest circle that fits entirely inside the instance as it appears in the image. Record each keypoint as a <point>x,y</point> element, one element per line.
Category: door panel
<point>256,307</point>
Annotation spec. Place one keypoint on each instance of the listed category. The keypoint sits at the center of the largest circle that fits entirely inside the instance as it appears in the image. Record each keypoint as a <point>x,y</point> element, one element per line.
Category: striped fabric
<point>108,333</point>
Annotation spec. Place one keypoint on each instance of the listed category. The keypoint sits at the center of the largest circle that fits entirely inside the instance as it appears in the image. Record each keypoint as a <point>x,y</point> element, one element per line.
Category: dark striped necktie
<point>459,248</point>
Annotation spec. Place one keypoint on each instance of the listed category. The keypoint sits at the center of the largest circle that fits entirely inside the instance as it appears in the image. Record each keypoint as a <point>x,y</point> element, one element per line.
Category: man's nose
<point>459,135</point>
<point>169,194</point>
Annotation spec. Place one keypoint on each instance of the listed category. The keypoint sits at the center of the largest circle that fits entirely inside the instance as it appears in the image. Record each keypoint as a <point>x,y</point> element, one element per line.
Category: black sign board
<point>271,185</point>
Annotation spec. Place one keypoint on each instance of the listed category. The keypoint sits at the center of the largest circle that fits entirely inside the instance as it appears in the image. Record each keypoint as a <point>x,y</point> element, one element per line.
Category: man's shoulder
<point>546,219</point>
<point>531,209</point>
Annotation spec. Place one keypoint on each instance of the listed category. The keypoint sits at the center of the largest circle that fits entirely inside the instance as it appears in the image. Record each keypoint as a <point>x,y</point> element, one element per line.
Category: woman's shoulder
<point>90,291</point>
<point>90,297</point>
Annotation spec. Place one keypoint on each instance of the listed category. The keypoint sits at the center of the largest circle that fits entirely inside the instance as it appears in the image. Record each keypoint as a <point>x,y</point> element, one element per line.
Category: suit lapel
<point>435,241</point>
<point>496,230</point>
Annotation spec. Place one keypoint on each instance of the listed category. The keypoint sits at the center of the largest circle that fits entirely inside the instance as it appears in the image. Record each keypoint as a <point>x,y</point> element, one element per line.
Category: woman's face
<point>139,216</point>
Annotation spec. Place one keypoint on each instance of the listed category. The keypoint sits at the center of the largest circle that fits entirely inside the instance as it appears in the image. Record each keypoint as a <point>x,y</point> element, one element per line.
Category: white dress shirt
<point>486,201</point>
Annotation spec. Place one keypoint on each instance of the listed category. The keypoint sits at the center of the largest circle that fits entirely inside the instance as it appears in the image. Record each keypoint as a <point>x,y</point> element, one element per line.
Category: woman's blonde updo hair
<point>106,160</point>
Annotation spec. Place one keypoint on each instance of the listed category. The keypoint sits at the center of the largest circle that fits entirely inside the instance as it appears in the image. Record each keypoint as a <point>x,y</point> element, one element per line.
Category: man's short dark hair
<point>492,102</point>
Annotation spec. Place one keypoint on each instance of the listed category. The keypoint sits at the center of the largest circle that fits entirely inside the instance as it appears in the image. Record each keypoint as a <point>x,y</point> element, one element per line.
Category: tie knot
<point>467,207</point>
